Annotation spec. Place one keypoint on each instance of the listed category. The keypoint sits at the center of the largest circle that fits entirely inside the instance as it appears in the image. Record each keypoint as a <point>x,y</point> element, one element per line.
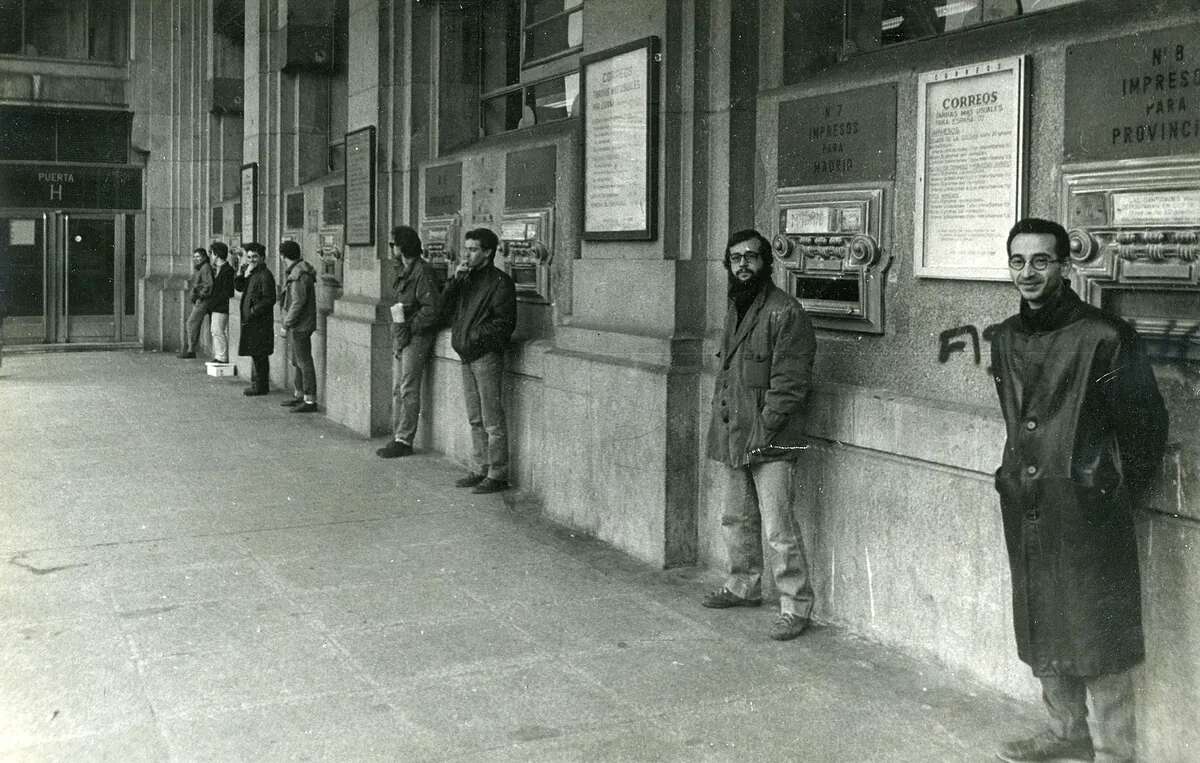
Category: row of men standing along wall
<point>455,416</point>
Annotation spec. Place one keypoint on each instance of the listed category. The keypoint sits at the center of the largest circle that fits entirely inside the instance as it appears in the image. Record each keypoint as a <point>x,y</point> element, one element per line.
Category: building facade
<point>613,145</point>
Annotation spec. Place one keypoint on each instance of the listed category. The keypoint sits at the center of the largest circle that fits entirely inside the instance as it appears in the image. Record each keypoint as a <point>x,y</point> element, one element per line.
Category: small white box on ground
<point>220,369</point>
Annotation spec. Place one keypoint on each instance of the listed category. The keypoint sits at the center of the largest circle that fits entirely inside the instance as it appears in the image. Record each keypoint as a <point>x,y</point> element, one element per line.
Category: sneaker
<point>489,485</point>
<point>723,598</point>
<point>253,391</point>
<point>305,408</point>
<point>471,480</point>
<point>394,449</point>
<point>788,626</point>
<point>186,355</point>
<point>1046,746</point>
<point>291,402</point>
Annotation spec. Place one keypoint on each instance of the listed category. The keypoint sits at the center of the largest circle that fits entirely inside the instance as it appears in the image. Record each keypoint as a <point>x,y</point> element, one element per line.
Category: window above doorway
<point>88,30</point>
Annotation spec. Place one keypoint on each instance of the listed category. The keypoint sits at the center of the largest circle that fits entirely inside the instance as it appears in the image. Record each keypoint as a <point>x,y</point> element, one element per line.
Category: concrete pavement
<point>189,574</point>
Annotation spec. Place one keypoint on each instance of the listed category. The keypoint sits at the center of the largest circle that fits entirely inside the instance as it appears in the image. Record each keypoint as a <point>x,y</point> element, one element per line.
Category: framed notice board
<point>249,202</point>
<point>620,142</point>
<point>360,187</point>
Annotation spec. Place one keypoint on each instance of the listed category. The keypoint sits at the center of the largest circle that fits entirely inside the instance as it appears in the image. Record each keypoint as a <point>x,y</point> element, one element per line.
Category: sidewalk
<point>190,574</point>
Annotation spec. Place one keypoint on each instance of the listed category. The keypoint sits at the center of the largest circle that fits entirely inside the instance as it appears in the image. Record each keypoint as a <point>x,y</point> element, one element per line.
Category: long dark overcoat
<point>1086,432</point>
<point>258,322</point>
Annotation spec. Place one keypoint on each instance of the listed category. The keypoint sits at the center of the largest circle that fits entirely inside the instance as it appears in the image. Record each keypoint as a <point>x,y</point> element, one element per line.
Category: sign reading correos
<point>619,167</point>
<point>970,167</point>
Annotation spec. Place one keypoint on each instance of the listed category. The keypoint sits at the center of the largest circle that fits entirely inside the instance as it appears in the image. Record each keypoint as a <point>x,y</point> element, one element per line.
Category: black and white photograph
<point>664,381</point>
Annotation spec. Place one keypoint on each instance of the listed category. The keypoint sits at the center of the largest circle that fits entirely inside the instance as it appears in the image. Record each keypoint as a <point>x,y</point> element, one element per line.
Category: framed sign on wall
<point>249,203</point>
<point>620,142</point>
<point>360,187</point>
<point>971,132</point>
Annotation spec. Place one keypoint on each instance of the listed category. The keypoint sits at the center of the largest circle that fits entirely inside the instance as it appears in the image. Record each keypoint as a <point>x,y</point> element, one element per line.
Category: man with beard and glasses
<point>757,431</point>
<point>1086,432</point>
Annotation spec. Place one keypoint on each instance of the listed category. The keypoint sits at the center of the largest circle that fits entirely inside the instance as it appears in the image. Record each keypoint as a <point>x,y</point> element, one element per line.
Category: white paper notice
<point>21,233</point>
<point>808,220</point>
<point>398,313</point>
<point>617,130</point>
<point>972,169</point>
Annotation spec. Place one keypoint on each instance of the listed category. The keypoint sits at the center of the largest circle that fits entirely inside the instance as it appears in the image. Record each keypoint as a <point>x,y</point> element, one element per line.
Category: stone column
<point>358,354</point>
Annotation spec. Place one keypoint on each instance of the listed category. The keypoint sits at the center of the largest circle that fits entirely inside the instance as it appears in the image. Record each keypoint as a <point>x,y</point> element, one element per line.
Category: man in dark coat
<point>257,339</point>
<point>757,431</point>
<point>1086,433</point>
<point>201,285</point>
<point>414,326</point>
<point>481,302</point>
<point>299,323</point>
<point>218,303</point>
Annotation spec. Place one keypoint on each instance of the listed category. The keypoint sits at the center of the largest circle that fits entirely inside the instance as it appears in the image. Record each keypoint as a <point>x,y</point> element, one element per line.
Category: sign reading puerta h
<point>69,186</point>
<point>1134,97</point>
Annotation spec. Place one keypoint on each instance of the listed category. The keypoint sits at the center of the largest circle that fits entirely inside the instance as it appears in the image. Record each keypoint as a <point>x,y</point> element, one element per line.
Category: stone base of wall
<point>358,366</point>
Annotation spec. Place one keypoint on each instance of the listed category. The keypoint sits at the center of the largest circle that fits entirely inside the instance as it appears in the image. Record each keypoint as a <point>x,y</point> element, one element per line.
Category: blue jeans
<point>759,498</point>
<point>407,372</point>
<point>304,372</point>
<point>195,320</point>
<point>482,382</point>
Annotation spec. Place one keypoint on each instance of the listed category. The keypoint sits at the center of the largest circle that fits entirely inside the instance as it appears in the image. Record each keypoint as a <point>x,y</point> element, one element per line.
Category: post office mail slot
<point>331,253</point>
<point>526,238</point>
<point>829,246</point>
<point>1135,246</point>
<point>439,237</point>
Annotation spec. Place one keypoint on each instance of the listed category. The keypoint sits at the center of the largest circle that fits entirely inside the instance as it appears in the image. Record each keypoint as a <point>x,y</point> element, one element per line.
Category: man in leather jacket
<point>481,303</point>
<point>1086,432</point>
<point>757,431</point>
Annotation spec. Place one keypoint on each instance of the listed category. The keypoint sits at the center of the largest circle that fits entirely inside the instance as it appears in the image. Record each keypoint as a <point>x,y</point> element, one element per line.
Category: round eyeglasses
<point>738,259</point>
<point>1037,262</point>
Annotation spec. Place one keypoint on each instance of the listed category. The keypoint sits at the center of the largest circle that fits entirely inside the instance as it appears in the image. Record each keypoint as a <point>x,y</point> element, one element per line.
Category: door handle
<point>66,279</point>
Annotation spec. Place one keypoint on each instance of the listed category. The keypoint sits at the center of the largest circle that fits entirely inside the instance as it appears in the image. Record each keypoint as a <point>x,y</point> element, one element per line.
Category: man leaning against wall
<point>481,304</point>
<point>200,289</point>
<point>1086,433</point>
<point>222,292</point>
<point>414,326</point>
<point>757,431</point>
<point>299,324</point>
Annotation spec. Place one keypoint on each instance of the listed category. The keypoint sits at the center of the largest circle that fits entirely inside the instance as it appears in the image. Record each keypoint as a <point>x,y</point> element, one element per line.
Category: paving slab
<point>187,574</point>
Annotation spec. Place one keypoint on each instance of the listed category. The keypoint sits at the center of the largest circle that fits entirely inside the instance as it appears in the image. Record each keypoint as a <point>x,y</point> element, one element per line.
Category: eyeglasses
<point>1037,262</point>
<point>748,257</point>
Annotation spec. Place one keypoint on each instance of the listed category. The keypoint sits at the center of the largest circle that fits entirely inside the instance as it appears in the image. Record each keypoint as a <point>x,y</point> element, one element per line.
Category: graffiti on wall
<point>954,340</point>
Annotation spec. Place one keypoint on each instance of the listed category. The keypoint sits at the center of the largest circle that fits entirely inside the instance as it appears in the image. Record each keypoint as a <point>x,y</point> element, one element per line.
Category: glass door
<point>63,277</point>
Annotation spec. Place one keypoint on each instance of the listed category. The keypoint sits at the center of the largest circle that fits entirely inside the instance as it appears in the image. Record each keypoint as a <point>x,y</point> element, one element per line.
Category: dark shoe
<point>723,598</point>
<point>292,401</point>
<point>394,449</point>
<point>489,485</point>
<point>253,391</point>
<point>186,355</point>
<point>788,626</point>
<point>1046,746</point>
<point>471,480</point>
<point>222,361</point>
<point>305,408</point>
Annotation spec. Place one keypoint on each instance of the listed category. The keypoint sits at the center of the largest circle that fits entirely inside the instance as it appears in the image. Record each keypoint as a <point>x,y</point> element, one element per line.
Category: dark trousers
<point>260,372</point>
